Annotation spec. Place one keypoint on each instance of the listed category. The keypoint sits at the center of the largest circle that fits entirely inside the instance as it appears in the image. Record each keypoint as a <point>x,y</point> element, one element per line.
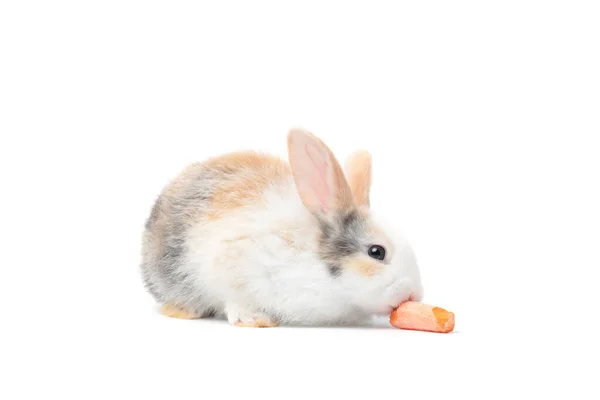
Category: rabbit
<point>260,242</point>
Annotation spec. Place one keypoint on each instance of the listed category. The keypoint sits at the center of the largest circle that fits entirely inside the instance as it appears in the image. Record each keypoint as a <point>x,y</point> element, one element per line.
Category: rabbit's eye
<point>377,252</point>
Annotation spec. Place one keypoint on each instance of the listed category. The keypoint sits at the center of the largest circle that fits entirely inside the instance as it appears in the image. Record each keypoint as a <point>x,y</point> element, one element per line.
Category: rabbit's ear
<point>358,173</point>
<point>319,178</point>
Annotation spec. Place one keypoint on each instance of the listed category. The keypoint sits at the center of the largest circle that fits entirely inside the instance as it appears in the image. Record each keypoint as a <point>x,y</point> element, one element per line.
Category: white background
<point>483,119</point>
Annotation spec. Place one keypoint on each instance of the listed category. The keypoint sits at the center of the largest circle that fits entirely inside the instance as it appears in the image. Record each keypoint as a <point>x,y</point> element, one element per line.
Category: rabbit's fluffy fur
<point>249,237</point>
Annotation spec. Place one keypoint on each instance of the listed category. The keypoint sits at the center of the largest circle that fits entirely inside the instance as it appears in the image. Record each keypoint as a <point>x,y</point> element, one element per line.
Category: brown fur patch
<point>242,179</point>
<point>374,231</point>
<point>257,324</point>
<point>176,312</point>
<point>366,267</point>
<point>287,238</point>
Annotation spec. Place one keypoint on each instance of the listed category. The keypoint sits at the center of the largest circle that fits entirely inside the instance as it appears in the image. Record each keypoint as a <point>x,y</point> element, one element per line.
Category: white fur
<point>244,266</point>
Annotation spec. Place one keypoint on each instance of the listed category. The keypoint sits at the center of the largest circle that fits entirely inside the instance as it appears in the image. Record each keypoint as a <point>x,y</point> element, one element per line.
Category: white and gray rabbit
<point>261,242</point>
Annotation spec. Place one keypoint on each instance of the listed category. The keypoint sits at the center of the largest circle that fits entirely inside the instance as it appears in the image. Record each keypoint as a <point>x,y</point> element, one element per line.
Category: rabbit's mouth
<point>411,297</point>
<point>385,310</point>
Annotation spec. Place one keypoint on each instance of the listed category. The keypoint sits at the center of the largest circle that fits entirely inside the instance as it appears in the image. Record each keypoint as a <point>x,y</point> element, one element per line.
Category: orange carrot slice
<point>422,317</point>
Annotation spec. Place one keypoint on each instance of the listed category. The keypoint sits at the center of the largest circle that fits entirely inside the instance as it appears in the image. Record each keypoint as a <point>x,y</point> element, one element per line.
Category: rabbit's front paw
<point>242,318</point>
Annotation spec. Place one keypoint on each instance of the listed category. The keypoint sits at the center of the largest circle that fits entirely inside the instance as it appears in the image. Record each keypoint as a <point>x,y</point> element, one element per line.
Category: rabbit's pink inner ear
<point>319,178</point>
<point>320,185</point>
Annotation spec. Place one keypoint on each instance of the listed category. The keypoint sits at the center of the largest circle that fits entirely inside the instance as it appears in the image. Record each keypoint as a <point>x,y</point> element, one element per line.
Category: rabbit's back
<point>203,193</point>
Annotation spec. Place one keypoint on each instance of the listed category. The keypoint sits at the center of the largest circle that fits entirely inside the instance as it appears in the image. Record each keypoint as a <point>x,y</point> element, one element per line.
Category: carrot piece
<point>422,317</point>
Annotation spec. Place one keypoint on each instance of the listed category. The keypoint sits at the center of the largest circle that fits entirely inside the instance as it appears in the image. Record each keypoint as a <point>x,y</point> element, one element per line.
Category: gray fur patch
<point>340,238</point>
<point>334,269</point>
<point>164,246</point>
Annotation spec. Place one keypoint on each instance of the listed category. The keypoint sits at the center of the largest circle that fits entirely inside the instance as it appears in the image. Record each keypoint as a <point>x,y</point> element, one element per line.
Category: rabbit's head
<point>375,267</point>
